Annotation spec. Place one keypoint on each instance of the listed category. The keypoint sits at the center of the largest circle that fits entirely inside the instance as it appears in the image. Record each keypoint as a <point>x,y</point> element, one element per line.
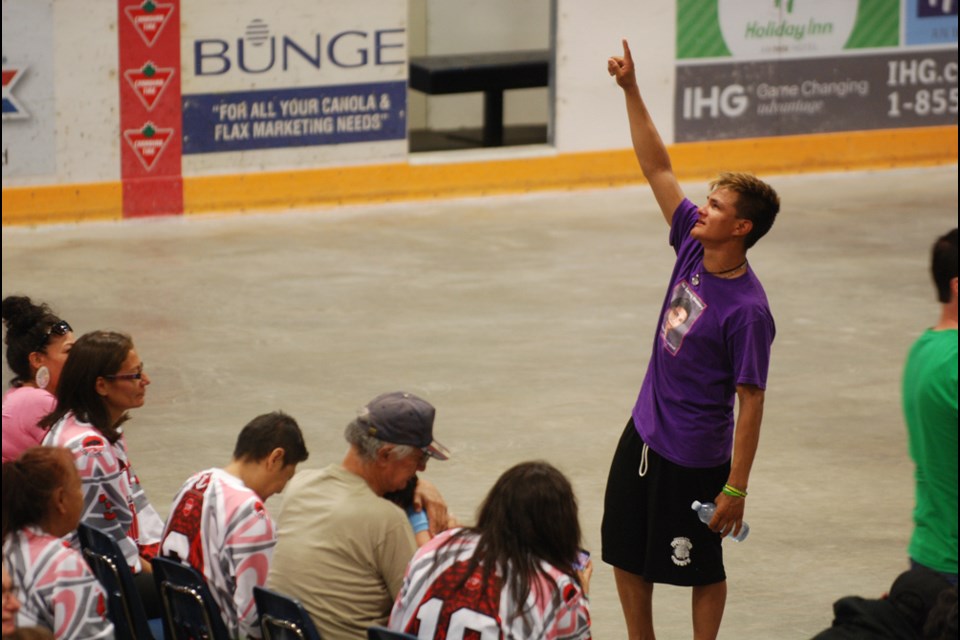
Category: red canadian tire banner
<point>150,107</point>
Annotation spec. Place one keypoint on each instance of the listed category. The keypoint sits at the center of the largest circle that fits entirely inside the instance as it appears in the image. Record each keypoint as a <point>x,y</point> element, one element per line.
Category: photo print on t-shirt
<point>680,315</point>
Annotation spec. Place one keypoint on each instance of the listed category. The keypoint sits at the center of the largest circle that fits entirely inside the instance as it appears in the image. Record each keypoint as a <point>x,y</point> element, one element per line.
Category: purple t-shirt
<point>714,334</point>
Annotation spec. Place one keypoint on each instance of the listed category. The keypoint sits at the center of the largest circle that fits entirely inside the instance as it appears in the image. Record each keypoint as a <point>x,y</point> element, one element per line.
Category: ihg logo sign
<point>712,102</point>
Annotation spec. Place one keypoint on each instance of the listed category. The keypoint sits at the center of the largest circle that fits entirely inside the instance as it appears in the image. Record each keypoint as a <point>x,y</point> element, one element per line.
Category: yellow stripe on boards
<point>847,151</point>
<point>61,203</point>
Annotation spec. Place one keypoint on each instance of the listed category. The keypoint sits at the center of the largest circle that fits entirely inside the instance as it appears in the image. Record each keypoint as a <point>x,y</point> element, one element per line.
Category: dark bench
<point>491,73</point>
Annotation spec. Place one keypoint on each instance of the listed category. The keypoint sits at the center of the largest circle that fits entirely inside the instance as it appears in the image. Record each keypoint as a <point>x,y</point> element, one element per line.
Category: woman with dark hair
<point>38,342</point>
<point>101,381</point>
<point>514,575</point>
<point>42,501</point>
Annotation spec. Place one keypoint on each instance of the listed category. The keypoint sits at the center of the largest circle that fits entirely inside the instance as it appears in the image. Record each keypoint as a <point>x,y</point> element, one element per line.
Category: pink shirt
<point>23,408</point>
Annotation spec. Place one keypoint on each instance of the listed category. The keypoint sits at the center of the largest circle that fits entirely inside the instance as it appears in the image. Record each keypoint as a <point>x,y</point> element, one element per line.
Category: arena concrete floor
<point>528,322</point>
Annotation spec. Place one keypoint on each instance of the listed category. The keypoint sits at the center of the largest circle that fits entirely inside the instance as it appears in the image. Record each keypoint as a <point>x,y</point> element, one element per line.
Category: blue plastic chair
<point>190,612</point>
<point>124,607</point>
<point>382,633</point>
<point>282,617</point>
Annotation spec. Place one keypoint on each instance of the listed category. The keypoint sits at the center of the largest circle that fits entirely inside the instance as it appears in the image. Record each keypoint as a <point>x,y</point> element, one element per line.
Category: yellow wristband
<point>733,491</point>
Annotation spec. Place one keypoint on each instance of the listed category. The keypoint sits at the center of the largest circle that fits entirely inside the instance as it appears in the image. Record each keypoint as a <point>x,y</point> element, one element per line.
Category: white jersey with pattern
<point>220,527</point>
<point>55,587</point>
<point>113,500</point>
<point>433,604</point>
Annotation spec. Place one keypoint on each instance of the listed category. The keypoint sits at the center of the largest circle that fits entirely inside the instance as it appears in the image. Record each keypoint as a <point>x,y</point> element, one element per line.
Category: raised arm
<point>651,152</point>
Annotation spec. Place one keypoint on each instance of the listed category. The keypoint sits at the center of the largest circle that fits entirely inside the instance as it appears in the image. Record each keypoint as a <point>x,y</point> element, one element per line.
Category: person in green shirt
<point>930,410</point>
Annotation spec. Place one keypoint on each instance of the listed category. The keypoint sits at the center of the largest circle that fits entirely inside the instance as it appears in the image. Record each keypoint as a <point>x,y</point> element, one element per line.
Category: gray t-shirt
<point>342,551</point>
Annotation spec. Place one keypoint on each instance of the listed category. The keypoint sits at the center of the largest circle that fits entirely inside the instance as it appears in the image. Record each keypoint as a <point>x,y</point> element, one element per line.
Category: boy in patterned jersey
<point>512,576</point>
<point>218,524</point>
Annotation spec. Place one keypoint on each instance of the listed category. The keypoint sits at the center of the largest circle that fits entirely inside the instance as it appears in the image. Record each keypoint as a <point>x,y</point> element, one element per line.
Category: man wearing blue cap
<point>342,549</point>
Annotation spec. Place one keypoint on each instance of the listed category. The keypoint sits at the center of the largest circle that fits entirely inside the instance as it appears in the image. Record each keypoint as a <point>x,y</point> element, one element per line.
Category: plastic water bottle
<point>705,511</point>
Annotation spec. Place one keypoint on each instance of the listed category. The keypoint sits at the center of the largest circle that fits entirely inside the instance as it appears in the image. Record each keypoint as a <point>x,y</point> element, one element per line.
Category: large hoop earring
<point>43,377</point>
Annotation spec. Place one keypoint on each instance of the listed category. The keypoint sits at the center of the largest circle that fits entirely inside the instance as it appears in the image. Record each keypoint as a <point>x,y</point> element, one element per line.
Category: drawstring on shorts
<point>643,461</point>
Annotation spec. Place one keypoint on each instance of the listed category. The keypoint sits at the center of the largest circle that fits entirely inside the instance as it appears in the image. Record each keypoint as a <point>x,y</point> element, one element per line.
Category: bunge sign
<point>218,87</point>
<point>321,82</point>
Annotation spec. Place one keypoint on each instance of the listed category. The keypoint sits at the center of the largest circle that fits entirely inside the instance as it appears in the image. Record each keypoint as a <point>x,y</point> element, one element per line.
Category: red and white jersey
<point>55,587</point>
<point>432,605</point>
<point>113,500</point>
<point>219,527</point>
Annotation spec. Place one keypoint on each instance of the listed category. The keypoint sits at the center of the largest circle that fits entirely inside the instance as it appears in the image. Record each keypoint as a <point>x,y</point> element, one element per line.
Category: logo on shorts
<point>681,551</point>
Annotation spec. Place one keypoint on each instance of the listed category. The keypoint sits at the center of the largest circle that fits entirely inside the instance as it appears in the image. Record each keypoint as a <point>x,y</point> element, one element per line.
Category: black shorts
<point>648,526</point>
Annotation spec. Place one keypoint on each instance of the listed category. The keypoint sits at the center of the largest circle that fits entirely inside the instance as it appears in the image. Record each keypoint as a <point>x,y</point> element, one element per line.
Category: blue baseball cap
<point>399,417</point>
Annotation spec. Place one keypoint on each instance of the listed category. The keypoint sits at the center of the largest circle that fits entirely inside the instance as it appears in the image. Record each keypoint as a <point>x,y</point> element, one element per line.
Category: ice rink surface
<point>528,321</point>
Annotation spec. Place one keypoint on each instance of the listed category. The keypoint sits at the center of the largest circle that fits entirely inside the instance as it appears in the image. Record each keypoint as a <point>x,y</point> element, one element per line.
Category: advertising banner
<point>149,51</point>
<point>757,68</point>
<point>931,22</point>
<point>29,126</point>
<point>319,82</point>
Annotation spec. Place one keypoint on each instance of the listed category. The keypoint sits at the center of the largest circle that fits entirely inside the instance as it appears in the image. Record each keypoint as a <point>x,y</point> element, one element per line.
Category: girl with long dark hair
<point>514,575</point>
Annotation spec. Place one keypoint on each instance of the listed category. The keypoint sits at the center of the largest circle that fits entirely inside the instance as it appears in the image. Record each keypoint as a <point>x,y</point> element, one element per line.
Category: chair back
<point>282,617</point>
<point>124,607</point>
<point>382,633</point>
<point>189,611</point>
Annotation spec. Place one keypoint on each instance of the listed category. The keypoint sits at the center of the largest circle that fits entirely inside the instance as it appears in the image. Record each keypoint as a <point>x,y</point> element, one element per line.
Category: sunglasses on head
<point>61,328</point>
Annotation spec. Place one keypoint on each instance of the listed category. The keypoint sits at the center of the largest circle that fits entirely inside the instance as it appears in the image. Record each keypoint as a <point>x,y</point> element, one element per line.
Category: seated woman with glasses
<point>37,346</point>
<point>42,501</point>
<point>102,380</point>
